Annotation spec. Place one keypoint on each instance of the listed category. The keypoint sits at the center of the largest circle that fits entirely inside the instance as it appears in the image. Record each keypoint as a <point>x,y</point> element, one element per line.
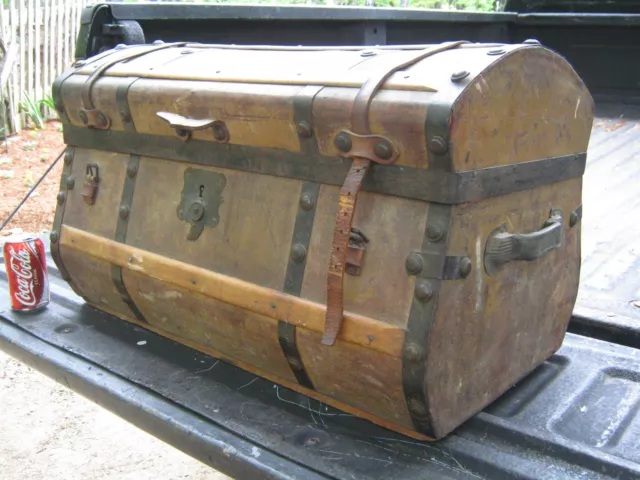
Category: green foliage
<point>31,108</point>
<point>34,108</point>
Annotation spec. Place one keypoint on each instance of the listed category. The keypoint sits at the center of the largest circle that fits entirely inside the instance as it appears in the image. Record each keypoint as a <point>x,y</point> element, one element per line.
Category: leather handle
<point>504,247</point>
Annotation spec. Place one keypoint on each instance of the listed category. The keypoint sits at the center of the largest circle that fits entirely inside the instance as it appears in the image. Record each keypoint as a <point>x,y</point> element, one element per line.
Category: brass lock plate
<point>200,200</point>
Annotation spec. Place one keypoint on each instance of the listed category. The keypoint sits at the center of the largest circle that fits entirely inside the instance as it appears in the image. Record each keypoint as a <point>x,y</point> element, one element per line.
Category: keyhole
<point>201,191</point>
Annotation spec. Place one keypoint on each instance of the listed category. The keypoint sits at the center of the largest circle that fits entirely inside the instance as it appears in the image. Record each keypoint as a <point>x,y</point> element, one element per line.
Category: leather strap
<point>341,234</point>
<point>351,188</point>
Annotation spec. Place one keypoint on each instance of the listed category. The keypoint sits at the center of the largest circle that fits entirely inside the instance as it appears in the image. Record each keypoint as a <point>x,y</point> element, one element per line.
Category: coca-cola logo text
<point>21,265</point>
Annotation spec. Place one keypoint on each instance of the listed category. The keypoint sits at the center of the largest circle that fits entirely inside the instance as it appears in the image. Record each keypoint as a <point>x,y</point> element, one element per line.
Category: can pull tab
<point>355,252</point>
<point>90,187</point>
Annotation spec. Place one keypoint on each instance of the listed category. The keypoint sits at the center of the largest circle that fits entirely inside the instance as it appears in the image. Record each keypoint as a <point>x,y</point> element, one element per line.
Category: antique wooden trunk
<point>209,194</point>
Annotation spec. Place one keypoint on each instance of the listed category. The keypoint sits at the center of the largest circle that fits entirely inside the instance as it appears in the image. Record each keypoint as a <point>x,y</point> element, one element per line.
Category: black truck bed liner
<point>576,416</point>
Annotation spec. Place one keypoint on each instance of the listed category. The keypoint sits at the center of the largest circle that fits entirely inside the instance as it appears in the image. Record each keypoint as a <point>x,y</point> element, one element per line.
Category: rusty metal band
<point>121,232</point>
<point>67,183</point>
<point>303,118</point>
<point>122,92</point>
<point>351,188</point>
<point>56,93</point>
<point>87,101</point>
<point>360,108</point>
<point>295,275</point>
<point>430,185</point>
<point>431,271</point>
<point>421,316</point>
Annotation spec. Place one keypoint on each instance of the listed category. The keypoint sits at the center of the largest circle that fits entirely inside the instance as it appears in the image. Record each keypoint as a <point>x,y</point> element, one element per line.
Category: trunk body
<point>211,216</point>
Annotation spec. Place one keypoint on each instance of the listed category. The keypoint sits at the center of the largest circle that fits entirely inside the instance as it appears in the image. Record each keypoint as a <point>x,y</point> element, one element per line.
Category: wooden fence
<point>43,32</point>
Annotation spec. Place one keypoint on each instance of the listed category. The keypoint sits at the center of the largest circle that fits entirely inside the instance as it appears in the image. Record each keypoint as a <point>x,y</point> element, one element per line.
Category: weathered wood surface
<point>222,293</point>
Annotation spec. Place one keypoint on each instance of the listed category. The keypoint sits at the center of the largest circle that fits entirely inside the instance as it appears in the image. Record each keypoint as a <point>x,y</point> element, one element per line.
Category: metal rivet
<point>465,267</point>
<point>414,263</point>
<point>417,406</point>
<point>70,182</point>
<point>120,46</point>
<point>307,202</point>
<point>102,119</point>
<point>368,53</point>
<point>298,252</point>
<point>423,292</point>
<point>438,145</point>
<point>125,115</point>
<point>220,132</point>
<point>435,232</point>
<point>573,219</point>
<point>124,212</point>
<point>158,42</point>
<point>53,236</point>
<point>496,51</point>
<point>304,129</point>
<point>193,280</point>
<point>343,142</point>
<point>413,352</point>
<point>383,150</point>
<point>531,41</point>
<point>459,75</point>
<point>83,117</point>
<point>61,198</point>
<point>68,157</point>
<point>132,171</point>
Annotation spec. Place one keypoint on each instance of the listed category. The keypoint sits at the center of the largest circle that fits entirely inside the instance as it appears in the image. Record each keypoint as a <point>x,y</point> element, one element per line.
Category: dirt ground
<point>30,154</point>
<point>46,430</point>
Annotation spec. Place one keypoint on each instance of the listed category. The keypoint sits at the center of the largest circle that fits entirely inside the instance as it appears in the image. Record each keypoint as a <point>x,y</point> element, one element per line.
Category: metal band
<point>87,101</point>
<point>437,266</point>
<point>66,181</point>
<point>301,237</point>
<point>303,117</point>
<point>56,93</point>
<point>121,232</point>
<point>351,188</point>
<point>123,105</point>
<point>423,308</point>
<point>431,185</point>
<point>428,278</point>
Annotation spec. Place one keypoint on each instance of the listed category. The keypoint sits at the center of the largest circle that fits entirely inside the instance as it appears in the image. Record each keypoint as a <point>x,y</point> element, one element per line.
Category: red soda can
<point>26,263</point>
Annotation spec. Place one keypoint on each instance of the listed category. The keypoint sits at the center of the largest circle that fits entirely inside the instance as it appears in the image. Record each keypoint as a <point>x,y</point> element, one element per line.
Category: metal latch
<point>355,252</point>
<point>90,187</point>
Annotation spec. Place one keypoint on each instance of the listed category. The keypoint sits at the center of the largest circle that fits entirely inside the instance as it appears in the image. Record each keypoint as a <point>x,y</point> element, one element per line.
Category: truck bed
<point>577,415</point>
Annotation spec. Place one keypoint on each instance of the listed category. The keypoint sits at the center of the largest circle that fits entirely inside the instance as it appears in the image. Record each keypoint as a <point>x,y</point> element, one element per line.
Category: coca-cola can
<point>26,263</point>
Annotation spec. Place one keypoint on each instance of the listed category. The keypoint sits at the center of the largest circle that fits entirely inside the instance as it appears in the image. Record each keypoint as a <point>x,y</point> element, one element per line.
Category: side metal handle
<point>504,247</point>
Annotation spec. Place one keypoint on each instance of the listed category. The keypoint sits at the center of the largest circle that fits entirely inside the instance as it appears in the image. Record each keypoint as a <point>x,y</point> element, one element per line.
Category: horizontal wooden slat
<point>356,329</point>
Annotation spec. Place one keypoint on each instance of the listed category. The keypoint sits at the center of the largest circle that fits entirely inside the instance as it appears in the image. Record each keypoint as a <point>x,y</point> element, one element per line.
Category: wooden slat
<point>14,80</point>
<point>21,35</point>
<point>46,78</point>
<point>29,33</point>
<point>59,36</point>
<point>356,329</point>
<point>37,14</point>
<point>274,378</point>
